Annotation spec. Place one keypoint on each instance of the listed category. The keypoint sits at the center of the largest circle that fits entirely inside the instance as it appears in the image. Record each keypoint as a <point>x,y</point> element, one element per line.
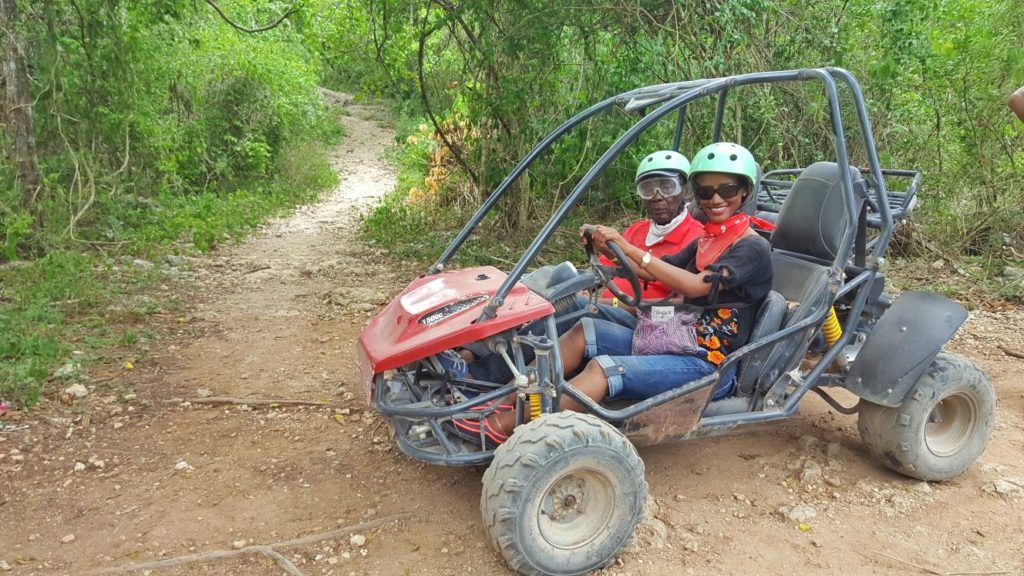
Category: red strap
<point>718,237</point>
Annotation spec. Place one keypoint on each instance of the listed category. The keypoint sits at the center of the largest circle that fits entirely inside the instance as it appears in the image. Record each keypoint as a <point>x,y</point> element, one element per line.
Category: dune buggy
<point>566,491</point>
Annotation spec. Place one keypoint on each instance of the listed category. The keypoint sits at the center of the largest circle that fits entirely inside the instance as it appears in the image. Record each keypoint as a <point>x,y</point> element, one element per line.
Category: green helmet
<point>663,163</point>
<point>727,158</point>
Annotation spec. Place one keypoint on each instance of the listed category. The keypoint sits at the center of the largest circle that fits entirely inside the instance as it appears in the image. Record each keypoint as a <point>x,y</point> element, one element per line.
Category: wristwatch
<point>645,260</point>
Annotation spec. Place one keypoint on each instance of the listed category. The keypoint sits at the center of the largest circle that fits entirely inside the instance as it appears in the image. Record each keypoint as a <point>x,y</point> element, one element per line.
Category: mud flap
<point>902,345</point>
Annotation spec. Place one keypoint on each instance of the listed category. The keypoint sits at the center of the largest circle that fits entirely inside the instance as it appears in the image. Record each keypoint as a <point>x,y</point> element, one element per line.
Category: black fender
<point>902,345</point>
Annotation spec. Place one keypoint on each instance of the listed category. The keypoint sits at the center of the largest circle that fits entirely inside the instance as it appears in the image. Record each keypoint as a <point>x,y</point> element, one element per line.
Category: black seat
<point>812,226</point>
<point>768,321</point>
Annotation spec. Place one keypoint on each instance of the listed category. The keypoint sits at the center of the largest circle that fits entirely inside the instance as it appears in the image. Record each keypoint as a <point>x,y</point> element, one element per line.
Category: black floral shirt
<point>722,329</point>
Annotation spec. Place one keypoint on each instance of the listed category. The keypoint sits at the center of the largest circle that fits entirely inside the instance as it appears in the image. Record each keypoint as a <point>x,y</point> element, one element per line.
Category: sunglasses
<point>725,191</point>
<point>666,187</point>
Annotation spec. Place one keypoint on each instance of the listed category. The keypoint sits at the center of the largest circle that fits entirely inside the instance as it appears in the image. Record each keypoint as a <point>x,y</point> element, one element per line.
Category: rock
<point>4,566</point>
<point>182,465</point>
<point>811,472</point>
<point>364,307</point>
<point>68,370</point>
<point>204,393</point>
<point>238,544</point>
<point>129,397</point>
<point>67,539</point>
<point>76,391</point>
<point>140,263</point>
<point>800,513</point>
<point>333,560</point>
<point>1013,272</point>
<point>939,264</point>
<point>173,260</point>
<point>807,442</point>
<point>834,450</point>
<point>1005,487</point>
<point>923,487</point>
<point>357,540</point>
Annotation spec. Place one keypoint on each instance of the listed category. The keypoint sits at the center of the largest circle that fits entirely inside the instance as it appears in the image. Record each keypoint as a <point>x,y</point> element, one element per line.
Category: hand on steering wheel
<point>604,274</point>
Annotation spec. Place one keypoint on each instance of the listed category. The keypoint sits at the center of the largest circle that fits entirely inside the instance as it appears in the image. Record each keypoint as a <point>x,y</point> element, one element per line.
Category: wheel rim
<point>576,508</point>
<point>951,424</point>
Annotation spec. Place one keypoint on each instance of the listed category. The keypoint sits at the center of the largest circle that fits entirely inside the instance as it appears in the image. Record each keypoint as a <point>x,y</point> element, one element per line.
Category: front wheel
<point>563,495</point>
<point>941,428</point>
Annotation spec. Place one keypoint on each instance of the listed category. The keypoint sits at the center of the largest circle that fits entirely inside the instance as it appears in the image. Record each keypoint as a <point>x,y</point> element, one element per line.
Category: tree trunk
<point>17,104</point>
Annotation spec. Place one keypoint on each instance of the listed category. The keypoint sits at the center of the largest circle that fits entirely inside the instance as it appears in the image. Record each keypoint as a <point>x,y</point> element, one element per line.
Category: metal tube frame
<point>673,97</point>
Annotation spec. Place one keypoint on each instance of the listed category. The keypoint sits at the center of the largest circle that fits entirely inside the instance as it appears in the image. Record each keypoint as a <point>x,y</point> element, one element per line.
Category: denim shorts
<point>640,377</point>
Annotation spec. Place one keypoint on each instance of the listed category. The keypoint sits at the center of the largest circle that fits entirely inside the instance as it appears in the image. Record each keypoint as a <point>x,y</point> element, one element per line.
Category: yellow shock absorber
<point>832,330</point>
<point>534,406</point>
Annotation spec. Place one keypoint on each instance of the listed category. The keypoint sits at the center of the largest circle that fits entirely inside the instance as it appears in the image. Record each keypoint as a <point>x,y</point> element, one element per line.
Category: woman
<point>727,272</point>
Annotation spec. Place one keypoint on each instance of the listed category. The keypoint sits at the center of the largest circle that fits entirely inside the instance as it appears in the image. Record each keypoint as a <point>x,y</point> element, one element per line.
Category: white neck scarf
<point>657,232</point>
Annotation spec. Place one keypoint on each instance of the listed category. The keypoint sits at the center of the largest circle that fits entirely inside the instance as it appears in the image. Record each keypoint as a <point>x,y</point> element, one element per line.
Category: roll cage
<point>853,275</point>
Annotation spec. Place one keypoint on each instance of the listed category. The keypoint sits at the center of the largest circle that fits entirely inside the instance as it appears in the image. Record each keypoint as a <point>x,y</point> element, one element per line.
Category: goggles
<point>667,187</point>
<point>725,191</point>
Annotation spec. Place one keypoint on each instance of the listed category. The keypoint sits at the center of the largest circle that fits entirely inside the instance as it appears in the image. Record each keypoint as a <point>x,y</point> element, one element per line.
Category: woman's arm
<point>681,281</point>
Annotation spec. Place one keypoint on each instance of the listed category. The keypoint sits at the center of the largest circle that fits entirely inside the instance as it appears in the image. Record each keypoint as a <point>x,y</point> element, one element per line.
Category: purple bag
<point>665,329</point>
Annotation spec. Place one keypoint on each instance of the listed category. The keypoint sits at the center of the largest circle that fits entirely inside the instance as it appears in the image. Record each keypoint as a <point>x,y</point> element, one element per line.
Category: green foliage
<point>936,74</point>
<point>16,227</point>
<point>34,301</point>
<point>159,128</point>
<point>142,99</point>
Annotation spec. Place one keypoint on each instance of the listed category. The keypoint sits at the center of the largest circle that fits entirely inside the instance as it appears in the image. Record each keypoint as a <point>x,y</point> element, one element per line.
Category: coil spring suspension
<point>832,330</point>
<point>535,409</point>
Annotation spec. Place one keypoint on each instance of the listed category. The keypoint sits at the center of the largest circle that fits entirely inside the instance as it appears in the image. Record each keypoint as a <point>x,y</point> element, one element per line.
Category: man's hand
<point>1016,103</point>
<point>600,237</point>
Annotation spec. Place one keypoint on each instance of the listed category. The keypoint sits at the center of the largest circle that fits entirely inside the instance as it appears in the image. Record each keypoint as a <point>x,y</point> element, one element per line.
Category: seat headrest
<point>815,219</point>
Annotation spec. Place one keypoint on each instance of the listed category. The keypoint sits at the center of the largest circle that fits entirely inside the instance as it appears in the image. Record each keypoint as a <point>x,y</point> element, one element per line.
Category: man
<point>1016,103</point>
<point>660,181</point>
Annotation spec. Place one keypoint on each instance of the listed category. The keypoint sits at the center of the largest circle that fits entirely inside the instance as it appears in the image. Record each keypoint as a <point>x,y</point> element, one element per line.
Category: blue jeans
<point>492,367</point>
<point>640,377</point>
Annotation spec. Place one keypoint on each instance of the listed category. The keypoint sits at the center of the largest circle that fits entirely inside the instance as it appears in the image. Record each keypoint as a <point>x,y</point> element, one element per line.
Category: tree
<point>17,105</point>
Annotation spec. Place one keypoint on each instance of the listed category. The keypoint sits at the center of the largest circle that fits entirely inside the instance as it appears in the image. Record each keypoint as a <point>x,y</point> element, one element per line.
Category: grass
<point>60,312</point>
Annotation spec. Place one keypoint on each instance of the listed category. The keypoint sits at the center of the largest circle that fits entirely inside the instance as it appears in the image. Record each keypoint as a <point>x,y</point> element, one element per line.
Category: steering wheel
<point>605,273</point>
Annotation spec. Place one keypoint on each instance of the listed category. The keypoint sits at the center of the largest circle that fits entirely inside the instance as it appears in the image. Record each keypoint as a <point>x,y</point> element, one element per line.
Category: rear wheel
<point>941,428</point>
<point>563,495</point>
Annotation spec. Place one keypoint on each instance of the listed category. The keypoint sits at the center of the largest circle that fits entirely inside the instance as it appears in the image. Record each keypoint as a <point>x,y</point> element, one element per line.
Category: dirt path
<point>137,475</point>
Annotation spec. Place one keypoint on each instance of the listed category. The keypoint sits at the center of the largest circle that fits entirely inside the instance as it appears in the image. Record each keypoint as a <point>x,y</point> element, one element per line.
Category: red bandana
<point>718,237</point>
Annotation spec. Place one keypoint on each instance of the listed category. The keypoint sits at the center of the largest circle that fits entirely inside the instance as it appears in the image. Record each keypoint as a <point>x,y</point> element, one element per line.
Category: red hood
<point>436,313</point>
